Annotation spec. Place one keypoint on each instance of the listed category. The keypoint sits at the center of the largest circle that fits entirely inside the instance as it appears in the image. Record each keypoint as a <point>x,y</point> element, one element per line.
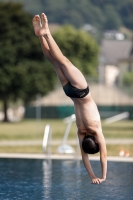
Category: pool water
<point>32,179</point>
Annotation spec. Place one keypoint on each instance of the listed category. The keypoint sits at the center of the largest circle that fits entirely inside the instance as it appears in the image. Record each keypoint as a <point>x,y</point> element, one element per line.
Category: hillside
<point>102,14</point>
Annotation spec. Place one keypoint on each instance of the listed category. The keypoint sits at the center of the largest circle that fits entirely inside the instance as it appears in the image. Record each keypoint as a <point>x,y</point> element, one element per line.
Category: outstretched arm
<point>103,153</point>
<point>85,158</point>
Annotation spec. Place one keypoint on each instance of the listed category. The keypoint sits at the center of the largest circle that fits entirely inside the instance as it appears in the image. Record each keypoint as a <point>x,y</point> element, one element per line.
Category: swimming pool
<point>33,179</point>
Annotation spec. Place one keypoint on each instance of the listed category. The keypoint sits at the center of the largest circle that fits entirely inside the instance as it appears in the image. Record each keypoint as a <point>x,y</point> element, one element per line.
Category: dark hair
<point>89,145</point>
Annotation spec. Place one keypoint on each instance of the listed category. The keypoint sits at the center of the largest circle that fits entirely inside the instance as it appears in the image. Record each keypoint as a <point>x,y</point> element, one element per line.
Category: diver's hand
<point>97,180</point>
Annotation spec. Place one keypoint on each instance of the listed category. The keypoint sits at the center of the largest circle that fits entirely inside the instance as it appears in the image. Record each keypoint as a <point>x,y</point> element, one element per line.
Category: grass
<point>21,149</point>
<point>113,150</point>
<point>32,130</point>
<point>121,129</point>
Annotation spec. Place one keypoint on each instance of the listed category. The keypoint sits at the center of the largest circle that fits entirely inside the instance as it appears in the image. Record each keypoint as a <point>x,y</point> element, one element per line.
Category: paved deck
<point>57,142</point>
<point>61,157</point>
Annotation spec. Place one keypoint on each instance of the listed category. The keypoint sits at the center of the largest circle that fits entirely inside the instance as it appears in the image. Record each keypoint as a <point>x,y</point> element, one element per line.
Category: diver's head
<point>89,145</point>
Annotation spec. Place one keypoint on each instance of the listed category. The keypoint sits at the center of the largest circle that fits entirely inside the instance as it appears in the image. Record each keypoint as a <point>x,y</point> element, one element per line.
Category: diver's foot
<point>40,28</point>
<point>37,24</point>
<point>45,22</point>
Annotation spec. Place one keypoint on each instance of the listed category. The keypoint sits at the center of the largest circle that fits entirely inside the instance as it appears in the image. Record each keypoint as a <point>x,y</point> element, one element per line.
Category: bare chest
<point>87,118</point>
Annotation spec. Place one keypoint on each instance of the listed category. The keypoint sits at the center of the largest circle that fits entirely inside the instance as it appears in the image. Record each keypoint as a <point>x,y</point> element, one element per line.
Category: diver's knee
<point>63,62</point>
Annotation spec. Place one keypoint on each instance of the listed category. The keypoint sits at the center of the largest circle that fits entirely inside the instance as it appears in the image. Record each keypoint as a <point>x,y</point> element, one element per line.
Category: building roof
<point>102,95</point>
<point>114,50</point>
<point>129,58</point>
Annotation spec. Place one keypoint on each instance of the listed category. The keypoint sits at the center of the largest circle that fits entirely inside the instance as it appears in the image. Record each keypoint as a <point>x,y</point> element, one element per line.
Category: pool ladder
<point>63,148</point>
<point>47,141</point>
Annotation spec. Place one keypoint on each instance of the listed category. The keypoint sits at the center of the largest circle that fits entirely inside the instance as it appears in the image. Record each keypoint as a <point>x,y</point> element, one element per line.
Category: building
<point>113,54</point>
<point>124,66</point>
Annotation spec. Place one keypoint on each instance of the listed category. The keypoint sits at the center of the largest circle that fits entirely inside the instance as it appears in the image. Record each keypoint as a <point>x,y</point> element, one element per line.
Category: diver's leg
<point>45,48</point>
<point>74,76</point>
<point>58,70</point>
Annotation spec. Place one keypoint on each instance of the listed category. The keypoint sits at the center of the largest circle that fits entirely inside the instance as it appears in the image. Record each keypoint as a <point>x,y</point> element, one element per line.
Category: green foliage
<point>23,70</point>
<point>126,13</point>
<point>113,20</point>
<point>20,50</point>
<point>128,79</point>
<point>103,14</point>
<point>79,47</point>
<point>40,78</point>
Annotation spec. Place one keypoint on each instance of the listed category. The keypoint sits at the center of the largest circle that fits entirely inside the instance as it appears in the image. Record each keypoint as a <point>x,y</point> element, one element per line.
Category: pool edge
<point>61,157</point>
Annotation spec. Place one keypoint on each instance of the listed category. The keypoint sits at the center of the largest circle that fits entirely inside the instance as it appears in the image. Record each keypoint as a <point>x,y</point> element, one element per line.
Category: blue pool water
<point>32,179</point>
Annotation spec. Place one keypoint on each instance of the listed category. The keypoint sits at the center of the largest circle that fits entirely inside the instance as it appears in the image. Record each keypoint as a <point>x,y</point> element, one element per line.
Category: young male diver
<point>75,86</point>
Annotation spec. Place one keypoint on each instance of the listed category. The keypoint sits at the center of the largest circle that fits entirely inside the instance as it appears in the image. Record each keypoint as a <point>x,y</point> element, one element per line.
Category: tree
<point>113,20</point>
<point>127,14</point>
<point>40,79</point>
<point>99,13</point>
<point>128,79</point>
<point>79,47</point>
<point>23,70</point>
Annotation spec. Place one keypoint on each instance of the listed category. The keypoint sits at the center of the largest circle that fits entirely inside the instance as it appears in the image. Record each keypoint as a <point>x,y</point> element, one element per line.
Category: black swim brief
<point>74,92</point>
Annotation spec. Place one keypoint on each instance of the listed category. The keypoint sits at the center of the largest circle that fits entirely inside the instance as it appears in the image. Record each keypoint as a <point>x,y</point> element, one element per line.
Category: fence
<point>59,112</point>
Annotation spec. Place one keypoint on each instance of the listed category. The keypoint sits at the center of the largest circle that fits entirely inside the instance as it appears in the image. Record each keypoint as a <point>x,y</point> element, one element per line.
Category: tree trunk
<point>5,111</point>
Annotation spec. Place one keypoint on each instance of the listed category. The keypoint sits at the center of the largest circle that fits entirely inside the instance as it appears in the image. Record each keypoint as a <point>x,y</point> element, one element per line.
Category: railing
<point>116,118</point>
<point>69,121</point>
<point>47,141</point>
<point>64,148</point>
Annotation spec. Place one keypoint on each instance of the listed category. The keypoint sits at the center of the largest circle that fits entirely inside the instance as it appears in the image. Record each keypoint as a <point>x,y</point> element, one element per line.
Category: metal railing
<point>64,148</point>
<point>116,118</point>
<point>47,141</point>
